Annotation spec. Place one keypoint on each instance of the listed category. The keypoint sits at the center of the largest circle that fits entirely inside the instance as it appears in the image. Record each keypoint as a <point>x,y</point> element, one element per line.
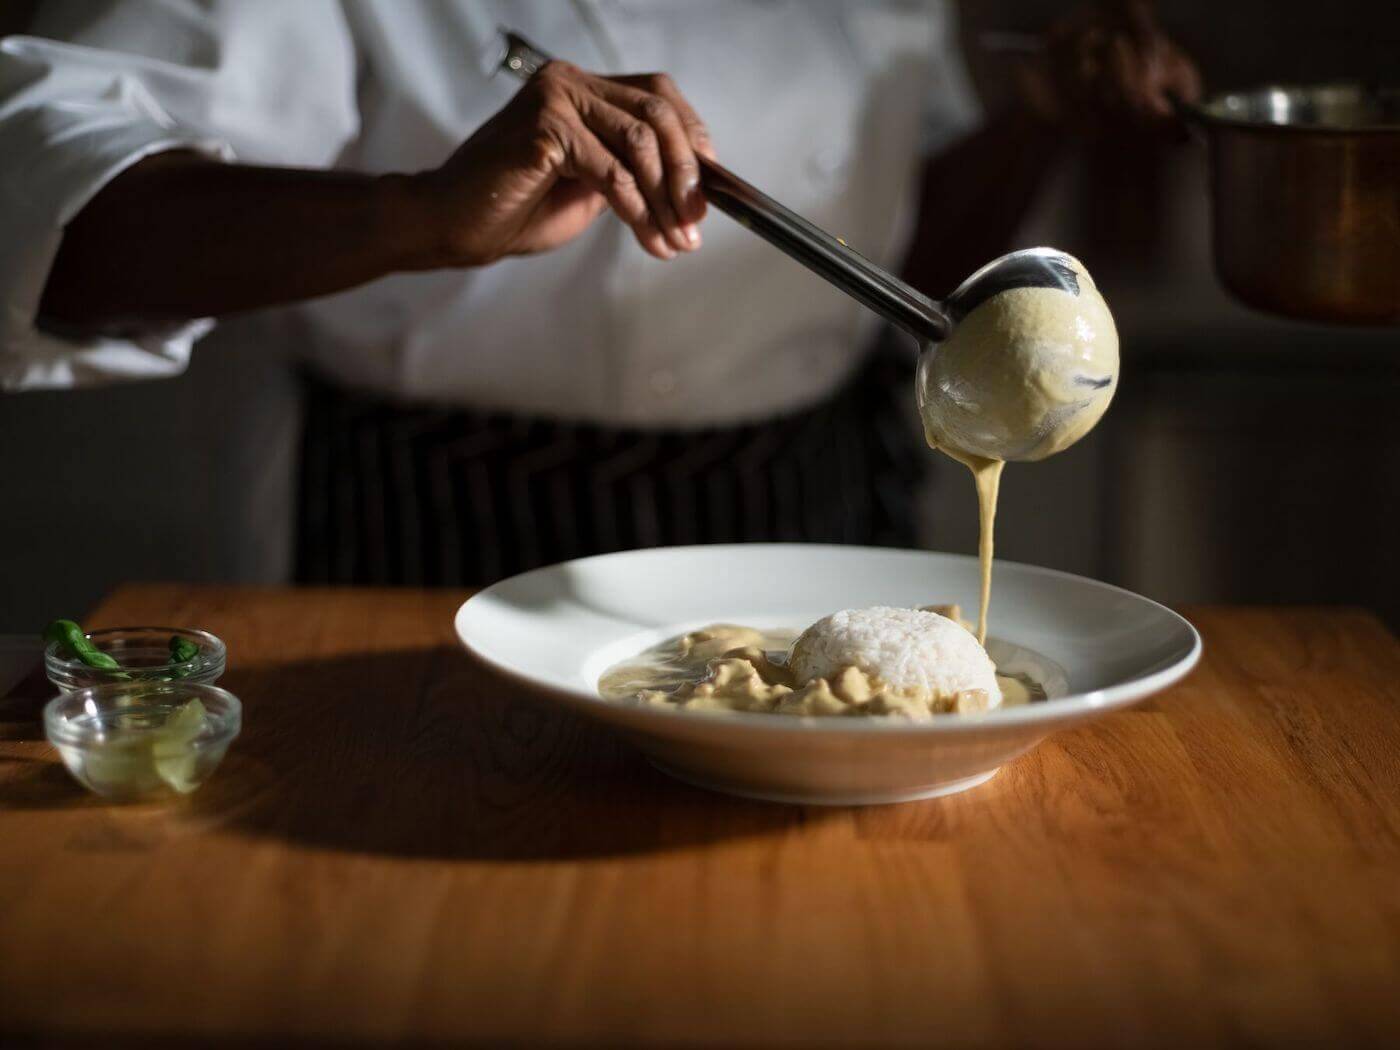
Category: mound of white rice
<point>907,649</point>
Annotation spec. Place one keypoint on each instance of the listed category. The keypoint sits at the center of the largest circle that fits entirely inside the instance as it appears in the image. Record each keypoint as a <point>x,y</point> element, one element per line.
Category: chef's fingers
<point>695,129</point>
<point>1133,79</point>
<point>1182,78</point>
<point>581,155</point>
<point>673,141</point>
<point>593,164</point>
<point>639,143</point>
<point>1163,74</point>
<point>663,85</point>
<point>1165,69</point>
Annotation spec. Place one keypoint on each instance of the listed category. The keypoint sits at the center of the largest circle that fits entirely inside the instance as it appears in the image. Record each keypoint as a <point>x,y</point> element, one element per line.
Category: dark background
<point>1246,459</point>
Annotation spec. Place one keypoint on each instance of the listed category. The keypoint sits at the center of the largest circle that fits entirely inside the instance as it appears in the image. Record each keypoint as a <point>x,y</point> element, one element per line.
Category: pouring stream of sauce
<point>987,475</point>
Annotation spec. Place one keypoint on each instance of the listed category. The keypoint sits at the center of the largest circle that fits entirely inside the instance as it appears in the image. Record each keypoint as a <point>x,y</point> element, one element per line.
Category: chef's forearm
<point>178,236</point>
<point>974,197</point>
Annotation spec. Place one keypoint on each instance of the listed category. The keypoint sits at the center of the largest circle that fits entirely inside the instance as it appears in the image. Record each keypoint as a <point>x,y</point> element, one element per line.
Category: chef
<point>522,341</point>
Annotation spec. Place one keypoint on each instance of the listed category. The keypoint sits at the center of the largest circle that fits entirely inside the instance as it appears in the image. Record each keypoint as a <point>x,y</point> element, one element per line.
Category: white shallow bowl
<point>1096,647</point>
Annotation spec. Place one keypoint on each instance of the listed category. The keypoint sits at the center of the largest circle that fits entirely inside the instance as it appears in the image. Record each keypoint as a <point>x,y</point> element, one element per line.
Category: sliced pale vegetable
<point>139,754</point>
<point>173,752</point>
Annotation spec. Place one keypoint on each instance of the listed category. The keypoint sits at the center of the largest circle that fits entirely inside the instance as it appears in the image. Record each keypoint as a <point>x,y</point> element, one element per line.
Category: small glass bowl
<point>119,740</point>
<point>144,653</point>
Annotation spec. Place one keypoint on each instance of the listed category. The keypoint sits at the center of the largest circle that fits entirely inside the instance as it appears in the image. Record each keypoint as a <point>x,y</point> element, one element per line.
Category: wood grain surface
<point>400,846</point>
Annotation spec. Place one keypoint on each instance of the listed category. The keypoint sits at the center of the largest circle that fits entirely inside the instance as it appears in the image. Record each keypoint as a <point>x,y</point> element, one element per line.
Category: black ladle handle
<point>823,254</point>
<point>810,245</point>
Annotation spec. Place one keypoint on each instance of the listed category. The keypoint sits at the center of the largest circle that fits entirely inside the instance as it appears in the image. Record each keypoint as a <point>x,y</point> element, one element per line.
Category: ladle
<point>927,320</point>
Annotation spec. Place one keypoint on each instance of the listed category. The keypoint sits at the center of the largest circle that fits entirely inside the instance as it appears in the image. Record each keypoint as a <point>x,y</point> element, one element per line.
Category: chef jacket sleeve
<point>101,84</point>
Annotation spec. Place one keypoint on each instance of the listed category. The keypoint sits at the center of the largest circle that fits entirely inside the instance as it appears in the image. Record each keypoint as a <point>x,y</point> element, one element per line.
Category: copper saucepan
<point>1305,185</point>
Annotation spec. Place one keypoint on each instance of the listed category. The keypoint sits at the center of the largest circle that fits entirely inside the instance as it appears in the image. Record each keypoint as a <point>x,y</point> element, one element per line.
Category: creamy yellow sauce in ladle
<point>1025,373</point>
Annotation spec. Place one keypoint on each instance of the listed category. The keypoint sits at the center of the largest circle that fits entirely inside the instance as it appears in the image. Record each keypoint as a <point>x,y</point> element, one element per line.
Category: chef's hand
<point>568,145</point>
<point>1107,62</point>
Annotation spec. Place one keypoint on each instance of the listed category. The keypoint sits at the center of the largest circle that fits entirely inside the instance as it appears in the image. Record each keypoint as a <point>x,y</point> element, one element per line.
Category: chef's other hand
<point>1109,61</point>
<point>568,145</point>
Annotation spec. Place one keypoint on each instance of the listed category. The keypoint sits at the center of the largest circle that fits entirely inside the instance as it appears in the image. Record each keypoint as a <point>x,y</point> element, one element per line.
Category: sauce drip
<point>986,474</point>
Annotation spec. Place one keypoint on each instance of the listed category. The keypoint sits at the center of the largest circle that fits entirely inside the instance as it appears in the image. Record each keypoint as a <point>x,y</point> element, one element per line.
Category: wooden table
<point>400,846</point>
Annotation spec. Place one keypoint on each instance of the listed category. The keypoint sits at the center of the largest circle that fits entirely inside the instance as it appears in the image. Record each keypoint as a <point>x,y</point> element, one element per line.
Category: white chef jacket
<point>828,106</point>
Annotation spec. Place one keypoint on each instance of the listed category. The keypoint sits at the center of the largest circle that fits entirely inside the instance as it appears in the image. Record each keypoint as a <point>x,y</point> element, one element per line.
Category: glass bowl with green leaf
<point>75,659</point>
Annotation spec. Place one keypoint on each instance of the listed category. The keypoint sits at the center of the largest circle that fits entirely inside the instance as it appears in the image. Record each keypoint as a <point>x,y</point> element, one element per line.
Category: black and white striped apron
<point>427,495</point>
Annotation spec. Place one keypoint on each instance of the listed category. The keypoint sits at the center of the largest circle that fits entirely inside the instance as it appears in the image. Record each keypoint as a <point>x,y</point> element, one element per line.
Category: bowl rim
<point>228,723</point>
<point>212,653</point>
<point>1049,713</point>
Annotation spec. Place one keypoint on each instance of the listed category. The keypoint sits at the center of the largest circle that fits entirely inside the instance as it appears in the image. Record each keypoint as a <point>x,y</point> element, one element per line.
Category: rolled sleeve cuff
<point>81,161</point>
